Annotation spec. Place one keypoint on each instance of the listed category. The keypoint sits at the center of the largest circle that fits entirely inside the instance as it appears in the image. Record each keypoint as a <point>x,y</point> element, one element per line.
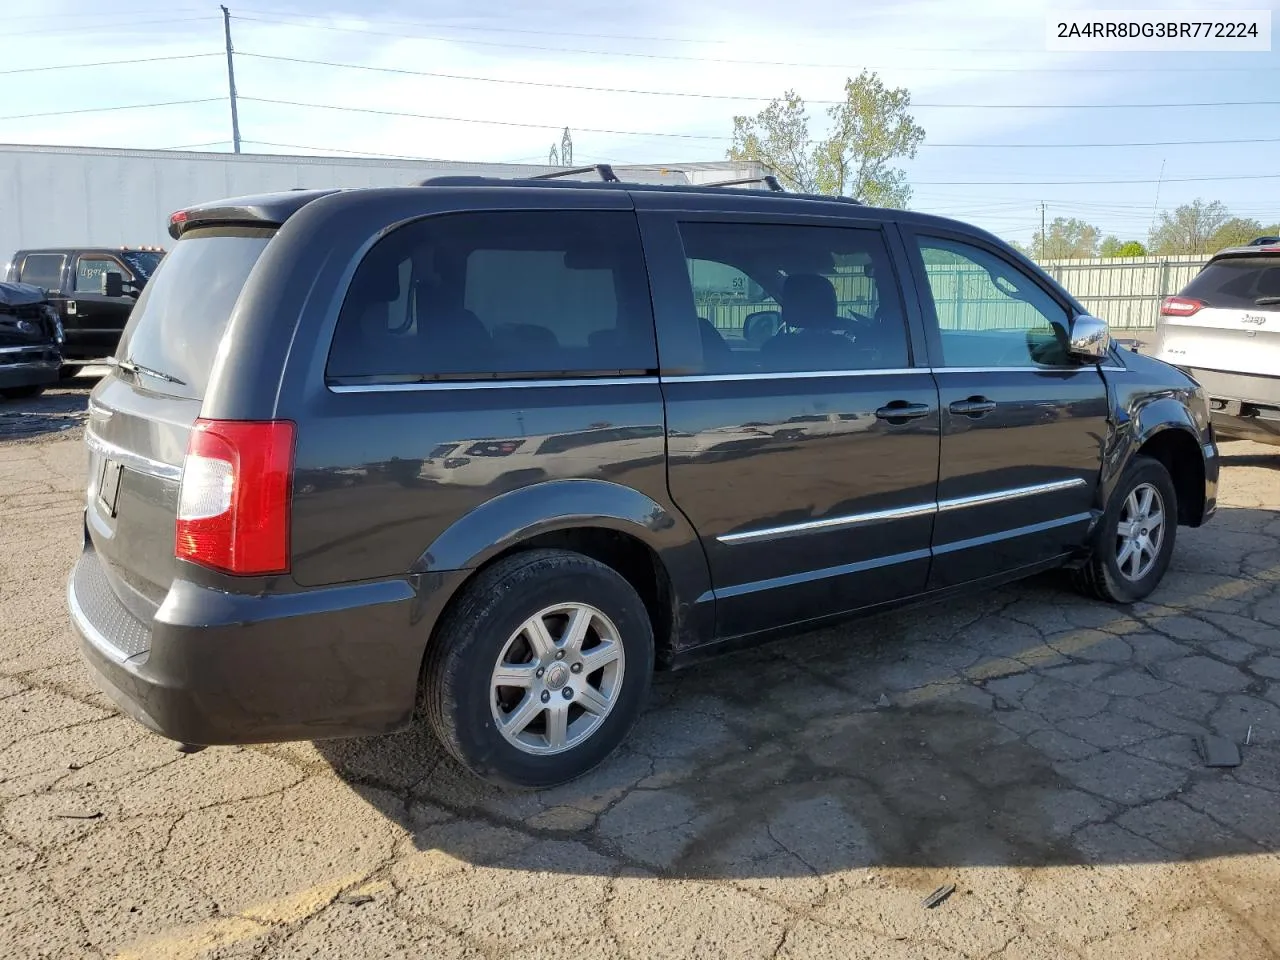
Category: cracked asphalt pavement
<point>1037,751</point>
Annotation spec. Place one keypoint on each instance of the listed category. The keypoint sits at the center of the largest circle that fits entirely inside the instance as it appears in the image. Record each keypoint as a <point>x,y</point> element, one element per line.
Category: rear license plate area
<point>109,486</point>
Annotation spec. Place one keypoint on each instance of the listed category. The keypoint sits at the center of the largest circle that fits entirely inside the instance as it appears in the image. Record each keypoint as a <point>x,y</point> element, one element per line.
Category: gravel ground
<point>1036,751</point>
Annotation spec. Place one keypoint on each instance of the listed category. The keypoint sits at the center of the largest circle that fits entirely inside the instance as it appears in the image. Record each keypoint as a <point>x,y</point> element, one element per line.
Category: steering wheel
<point>760,326</point>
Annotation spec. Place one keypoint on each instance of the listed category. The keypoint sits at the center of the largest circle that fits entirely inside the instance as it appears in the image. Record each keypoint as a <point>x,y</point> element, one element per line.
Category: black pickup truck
<point>92,288</point>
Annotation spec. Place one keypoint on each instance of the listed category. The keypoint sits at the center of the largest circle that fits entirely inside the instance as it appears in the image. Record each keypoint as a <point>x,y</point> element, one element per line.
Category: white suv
<point>1224,330</point>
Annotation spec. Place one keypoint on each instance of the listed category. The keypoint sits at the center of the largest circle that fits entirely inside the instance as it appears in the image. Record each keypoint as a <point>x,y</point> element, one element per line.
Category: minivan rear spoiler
<point>263,210</point>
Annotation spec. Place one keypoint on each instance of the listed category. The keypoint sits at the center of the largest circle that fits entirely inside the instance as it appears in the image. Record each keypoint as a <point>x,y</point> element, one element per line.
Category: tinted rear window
<point>496,295</point>
<point>1237,282</point>
<point>43,270</point>
<point>178,322</point>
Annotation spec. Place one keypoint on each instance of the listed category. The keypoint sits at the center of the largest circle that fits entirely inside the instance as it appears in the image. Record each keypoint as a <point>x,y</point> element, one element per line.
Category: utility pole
<point>231,80</point>
<point>1043,238</point>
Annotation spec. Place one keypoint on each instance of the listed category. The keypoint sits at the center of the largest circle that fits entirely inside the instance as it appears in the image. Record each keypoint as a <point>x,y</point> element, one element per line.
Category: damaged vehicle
<point>30,341</point>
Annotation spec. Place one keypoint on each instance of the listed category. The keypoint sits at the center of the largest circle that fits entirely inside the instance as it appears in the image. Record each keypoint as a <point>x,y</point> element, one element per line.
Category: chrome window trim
<point>1016,493</point>
<point>487,384</point>
<point>901,513</point>
<point>787,375</point>
<point>682,378</point>
<point>1076,369</point>
<point>134,461</point>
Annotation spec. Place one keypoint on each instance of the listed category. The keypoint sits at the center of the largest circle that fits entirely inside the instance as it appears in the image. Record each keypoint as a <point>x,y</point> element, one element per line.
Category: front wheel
<point>1135,537</point>
<point>540,670</point>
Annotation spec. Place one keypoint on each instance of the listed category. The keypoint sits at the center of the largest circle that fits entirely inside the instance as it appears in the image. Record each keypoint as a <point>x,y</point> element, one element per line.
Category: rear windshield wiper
<point>132,366</point>
<point>1267,301</point>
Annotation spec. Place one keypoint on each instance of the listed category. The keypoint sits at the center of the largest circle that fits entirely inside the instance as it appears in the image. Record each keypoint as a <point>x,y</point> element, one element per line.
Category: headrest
<point>809,300</point>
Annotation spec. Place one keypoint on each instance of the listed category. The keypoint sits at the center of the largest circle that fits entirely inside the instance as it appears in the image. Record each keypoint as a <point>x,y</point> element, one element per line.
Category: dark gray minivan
<point>490,451</point>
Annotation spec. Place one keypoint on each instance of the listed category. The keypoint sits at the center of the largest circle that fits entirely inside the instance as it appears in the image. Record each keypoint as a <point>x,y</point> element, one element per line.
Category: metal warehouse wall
<point>80,196</point>
<point>1125,291</point>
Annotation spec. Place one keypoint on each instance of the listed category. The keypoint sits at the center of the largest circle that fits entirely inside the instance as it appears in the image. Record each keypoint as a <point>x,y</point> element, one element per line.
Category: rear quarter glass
<point>1236,283</point>
<point>180,318</point>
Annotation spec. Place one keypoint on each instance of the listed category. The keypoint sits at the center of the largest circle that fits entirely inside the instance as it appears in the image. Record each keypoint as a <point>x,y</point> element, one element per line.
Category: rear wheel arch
<point>652,547</point>
<point>633,559</point>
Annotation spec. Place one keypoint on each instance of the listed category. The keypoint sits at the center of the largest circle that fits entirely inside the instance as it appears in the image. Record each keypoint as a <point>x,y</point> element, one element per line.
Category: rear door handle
<point>974,407</point>
<point>900,411</point>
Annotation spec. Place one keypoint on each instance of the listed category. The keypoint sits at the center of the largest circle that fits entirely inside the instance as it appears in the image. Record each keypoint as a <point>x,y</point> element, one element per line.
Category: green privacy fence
<point>1126,292</point>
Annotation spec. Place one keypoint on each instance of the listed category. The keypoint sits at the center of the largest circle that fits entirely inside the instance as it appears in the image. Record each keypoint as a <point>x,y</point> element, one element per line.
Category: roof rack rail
<point>769,180</point>
<point>603,169</point>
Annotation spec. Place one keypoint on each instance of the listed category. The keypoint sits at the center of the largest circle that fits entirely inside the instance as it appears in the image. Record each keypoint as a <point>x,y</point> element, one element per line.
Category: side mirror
<point>1090,339</point>
<point>113,284</point>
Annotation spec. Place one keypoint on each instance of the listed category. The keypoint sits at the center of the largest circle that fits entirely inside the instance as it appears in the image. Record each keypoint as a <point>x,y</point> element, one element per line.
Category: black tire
<point>21,393</point>
<point>69,371</point>
<point>1101,577</point>
<point>457,673</point>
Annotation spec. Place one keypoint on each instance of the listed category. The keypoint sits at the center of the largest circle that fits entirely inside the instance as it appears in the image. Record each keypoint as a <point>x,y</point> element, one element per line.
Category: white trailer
<point>88,196</point>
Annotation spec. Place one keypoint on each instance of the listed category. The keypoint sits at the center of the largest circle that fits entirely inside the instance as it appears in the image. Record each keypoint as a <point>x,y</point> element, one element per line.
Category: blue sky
<point>977,55</point>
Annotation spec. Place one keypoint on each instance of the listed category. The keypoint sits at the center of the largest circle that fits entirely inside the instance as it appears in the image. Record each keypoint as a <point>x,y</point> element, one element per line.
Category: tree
<point>779,137</point>
<point>1188,229</point>
<point>1113,246</point>
<point>1236,232</point>
<point>870,129</point>
<point>1066,238</point>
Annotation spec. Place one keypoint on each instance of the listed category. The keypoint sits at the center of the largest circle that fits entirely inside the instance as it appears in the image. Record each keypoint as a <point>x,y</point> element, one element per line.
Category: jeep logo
<point>1250,318</point>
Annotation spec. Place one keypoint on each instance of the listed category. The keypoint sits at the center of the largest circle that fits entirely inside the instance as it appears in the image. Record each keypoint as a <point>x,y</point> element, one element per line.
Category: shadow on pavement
<point>1025,726</point>
<point>1251,459</point>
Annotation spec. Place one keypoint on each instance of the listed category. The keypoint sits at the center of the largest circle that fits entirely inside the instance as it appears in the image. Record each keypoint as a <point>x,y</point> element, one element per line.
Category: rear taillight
<point>233,508</point>
<point>1180,306</point>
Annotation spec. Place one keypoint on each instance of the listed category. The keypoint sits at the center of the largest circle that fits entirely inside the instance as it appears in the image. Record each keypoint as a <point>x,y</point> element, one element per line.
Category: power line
<point>495,123</point>
<point>117,27</point>
<point>1135,143</point>
<point>694,136</point>
<point>109,63</point>
<point>1084,183</point>
<point>547,33</point>
<point>194,146</point>
<point>353,153</point>
<point>754,63</point>
<point>644,38</point>
<point>112,14</point>
<point>129,106</point>
<point>404,71</point>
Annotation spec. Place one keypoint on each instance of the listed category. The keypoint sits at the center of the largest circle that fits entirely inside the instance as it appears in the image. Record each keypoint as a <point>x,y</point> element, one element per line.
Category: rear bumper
<point>1250,388</point>
<point>217,668</point>
<point>1247,422</point>
<point>1243,406</point>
